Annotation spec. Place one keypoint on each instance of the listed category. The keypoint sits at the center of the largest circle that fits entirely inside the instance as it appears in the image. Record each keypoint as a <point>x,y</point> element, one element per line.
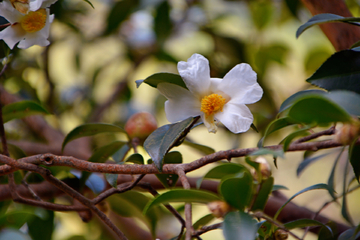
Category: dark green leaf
<point>293,6</point>
<point>162,139</point>
<point>239,226</point>
<point>203,221</point>
<point>201,148</point>
<point>287,140</point>
<point>290,100</point>
<point>162,22</point>
<point>46,221</point>
<point>313,187</point>
<point>157,78</point>
<point>221,171</point>
<point>274,126</point>
<point>169,180</point>
<point>14,151</point>
<point>119,156</point>
<point>317,109</point>
<point>263,194</point>
<point>182,195</point>
<point>340,72</point>
<point>22,109</point>
<point>135,158</point>
<point>302,223</point>
<point>279,187</point>
<point>87,1</point>
<point>324,18</point>
<point>90,129</point>
<point>237,191</point>
<point>307,161</point>
<point>119,12</point>
<point>354,156</point>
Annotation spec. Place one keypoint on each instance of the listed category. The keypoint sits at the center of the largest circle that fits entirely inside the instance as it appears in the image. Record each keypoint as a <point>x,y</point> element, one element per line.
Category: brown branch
<point>341,35</point>
<point>188,213</point>
<point>205,229</point>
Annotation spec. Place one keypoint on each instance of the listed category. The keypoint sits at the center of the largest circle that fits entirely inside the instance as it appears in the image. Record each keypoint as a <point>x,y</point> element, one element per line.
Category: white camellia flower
<point>29,29</point>
<point>213,99</point>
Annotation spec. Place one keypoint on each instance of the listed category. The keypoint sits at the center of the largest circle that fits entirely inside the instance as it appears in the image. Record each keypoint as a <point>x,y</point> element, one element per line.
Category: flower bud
<point>348,132</point>
<point>264,168</point>
<point>281,234</point>
<point>140,125</point>
<point>219,208</point>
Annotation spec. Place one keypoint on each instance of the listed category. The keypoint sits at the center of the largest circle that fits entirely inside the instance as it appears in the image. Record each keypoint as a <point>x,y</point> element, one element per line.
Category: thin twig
<point>329,131</point>
<point>24,182</point>
<point>205,229</point>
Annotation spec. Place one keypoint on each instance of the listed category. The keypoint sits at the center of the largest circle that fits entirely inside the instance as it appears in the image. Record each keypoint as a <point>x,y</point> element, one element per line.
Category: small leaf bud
<point>140,125</point>
<point>348,132</point>
<point>281,234</point>
<point>219,208</point>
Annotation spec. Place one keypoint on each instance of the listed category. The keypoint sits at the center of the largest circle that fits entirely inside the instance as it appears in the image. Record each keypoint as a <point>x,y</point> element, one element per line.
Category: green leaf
<point>222,171</point>
<point>324,18</point>
<point>266,151</point>
<point>313,187</point>
<point>274,126</point>
<point>301,132</point>
<point>14,151</point>
<point>163,139</point>
<point>302,223</point>
<point>103,153</point>
<point>16,218</point>
<point>203,221</point>
<point>350,101</point>
<point>22,109</point>
<point>307,161</point>
<point>87,1</point>
<point>277,187</point>
<point>239,226</point>
<point>9,233</point>
<point>119,156</point>
<point>120,12</point>
<point>290,100</point>
<point>331,179</point>
<point>317,109</point>
<point>349,235</point>
<point>201,148</point>
<point>169,180</point>
<point>266,188</point>
<point>90,129</point>
<point>182,195</point>
<point>111,179</point>
<point>344,208</point>
<point>340,72</point>
<point>354,156</point>
<point>237,191</point>
<point>157,78</point>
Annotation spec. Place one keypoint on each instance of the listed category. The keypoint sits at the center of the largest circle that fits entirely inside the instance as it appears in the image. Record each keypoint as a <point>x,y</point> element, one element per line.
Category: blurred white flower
<point>213,99</point>
<point>28,29</point>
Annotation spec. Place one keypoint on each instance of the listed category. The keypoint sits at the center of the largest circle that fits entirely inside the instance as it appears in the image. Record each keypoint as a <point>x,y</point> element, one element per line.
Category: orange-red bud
<point>140,125</point>
<point>281,234</point>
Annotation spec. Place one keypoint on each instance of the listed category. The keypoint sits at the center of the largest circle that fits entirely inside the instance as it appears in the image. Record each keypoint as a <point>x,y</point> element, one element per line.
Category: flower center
<point>34,21</point>
<point>212,103</point>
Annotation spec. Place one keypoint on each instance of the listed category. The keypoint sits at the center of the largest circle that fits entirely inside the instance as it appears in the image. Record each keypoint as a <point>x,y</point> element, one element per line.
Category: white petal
<point>12,35</point>
<point>209,123</point>
<point>240,83</point>
<point>32,39</point>
<point>236,117</point>
<point>196,74</point>
<point>9,12</point>
<point>181,103</point>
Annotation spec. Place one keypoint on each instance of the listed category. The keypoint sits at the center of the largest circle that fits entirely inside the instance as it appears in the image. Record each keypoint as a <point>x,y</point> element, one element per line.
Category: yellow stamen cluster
<point>34,21</point>
<point>212,103</point>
